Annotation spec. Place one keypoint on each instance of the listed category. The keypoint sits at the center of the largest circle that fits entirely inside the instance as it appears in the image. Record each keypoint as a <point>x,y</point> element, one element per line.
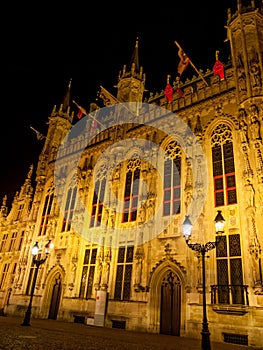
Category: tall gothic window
<point>98,198</point>
<point>3,242</point>
<point>21,239</point>
<point>223,166</point>
<point>124,273</point>
<point>3,278</point>
<point>172,180</point>
<point>69,209</point>
<point>12,242</point>
<point>46,213</point>
<point>229,270</point>
<point>19,211</point>
<point>131,190</point>
<point>88,272</point>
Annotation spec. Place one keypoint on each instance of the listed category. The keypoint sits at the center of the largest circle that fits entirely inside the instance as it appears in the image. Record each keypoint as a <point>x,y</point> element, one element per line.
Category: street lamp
<point>203,248</point>
<point>36,261</point>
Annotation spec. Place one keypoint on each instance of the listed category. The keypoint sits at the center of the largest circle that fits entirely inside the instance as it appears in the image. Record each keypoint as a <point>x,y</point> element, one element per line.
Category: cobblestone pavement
<point>58,335</point>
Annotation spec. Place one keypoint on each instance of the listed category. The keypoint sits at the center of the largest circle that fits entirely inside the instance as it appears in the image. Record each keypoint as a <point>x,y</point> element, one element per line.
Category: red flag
<point>81,110</point>
<point>79,114</point>
<point>168,92</point>
<point>219,69</point>
<point>184,60</point>
<point>93,126</point>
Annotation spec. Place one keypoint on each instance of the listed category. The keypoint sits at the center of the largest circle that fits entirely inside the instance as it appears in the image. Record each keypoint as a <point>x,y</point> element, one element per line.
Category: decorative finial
<point>30,171</point>
<point>239,5</point>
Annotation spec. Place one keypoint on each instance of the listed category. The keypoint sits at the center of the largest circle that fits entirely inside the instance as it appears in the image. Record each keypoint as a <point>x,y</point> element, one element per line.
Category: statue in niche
<point>98,272</point>
<point>243,131</point>
<point>73,273</point>
<point>260,189</point>
<point>254,125</point>
<point>242,85</point>
<point>105,217</point>
<point>255,74</point>
<point>138,270</point>
<point>141,214</point>
<point>254,249</point>
<point>116,180</point>
<point>150,209</point>
<point>188,199</point>
<point>253,110</point>
<point>249,194</point>
<point>152,181</point>
<point>112,216</point>
<point>106,271</point>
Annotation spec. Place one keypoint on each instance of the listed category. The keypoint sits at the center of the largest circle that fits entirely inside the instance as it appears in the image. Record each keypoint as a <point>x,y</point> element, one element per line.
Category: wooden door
<point>55,300</point>
<point>170,305</point>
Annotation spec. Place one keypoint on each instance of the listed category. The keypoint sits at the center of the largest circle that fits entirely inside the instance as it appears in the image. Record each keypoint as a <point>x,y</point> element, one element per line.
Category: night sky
<point>45,46</point>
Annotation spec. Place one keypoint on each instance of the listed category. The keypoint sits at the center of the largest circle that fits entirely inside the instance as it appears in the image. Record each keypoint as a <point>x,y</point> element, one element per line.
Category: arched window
<point>98,198</point>
<point>131,191</point>
<point>88,272</point>
<point>124,273</point>
<point>172,180</point>
<point>69,209</point>
<point>223,166</point>
<point>46,213</point>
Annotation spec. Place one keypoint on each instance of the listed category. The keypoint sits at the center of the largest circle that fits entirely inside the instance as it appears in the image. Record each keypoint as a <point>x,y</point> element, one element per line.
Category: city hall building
<point>122,205</point>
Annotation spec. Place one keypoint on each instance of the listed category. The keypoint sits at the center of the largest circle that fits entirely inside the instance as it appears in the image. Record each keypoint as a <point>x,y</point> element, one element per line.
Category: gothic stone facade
<point>112,199</point>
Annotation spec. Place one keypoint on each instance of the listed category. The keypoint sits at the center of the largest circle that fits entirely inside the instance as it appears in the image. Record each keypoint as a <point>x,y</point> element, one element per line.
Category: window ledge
<point>238,310</point>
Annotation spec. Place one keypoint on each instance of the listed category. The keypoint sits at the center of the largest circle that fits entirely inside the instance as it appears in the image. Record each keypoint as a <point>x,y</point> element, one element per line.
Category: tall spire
<point>134,64</point>
<point>66,100</point>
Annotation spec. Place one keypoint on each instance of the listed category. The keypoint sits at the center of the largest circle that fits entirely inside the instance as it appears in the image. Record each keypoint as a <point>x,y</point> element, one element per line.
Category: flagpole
<point>85,113</point>
<point>113,97</point>
<point>197,71</point>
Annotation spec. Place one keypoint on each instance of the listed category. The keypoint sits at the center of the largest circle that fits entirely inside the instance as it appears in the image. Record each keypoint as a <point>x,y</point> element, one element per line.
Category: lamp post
<point>202,249</point>
<point>37,262</point>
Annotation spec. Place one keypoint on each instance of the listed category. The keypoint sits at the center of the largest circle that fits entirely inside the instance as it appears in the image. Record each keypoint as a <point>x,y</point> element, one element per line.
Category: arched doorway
<point>55,299</point>
<point>170,305</point>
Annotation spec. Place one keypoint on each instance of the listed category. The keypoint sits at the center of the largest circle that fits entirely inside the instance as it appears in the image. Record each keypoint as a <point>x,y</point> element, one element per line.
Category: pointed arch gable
<point>158,274</point>
<point>55,272</point>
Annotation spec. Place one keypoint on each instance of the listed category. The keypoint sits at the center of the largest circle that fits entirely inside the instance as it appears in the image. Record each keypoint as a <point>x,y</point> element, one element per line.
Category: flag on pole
<point>219,68</point>
<point>168,91</point>
<point>184,60</point>
<point>82,111</point>
<point>107,97</point>
<point>39,135</point>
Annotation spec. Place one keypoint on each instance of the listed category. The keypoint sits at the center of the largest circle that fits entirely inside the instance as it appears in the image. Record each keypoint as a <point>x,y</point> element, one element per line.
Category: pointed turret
<point>22,201</point>
<point>246,38</point>
<point>131,80</point>
<point>59,123</point>
<point>3,209</point>
<point>66,100</point>
<point>134,63</point>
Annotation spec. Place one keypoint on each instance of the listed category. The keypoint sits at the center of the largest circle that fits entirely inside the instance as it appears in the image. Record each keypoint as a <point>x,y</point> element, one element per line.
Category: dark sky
<point>44,46</point>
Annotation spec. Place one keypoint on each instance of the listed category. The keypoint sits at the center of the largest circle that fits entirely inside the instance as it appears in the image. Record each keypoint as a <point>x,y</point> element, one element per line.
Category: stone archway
<point>170,305</point>
<point>167,299</point>
<point>53,293</point>
<point>55,299</point>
